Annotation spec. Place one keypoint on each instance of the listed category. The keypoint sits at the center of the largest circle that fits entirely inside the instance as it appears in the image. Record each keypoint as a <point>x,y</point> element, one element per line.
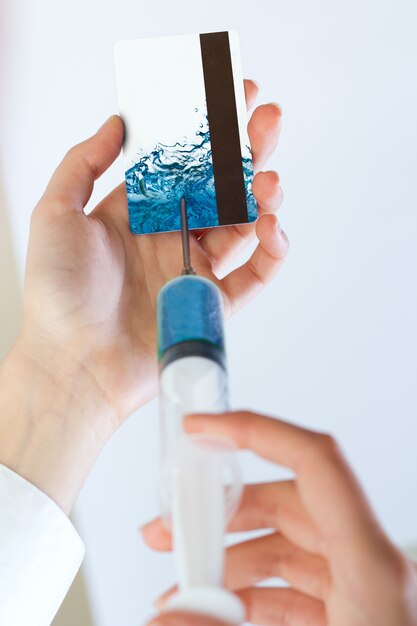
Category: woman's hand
<point>86,356</point>
<point>91,285</point>
<point>323,538</point>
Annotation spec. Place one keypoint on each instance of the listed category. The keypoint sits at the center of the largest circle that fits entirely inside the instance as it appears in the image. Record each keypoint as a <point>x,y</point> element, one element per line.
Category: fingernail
<point>159,603</point>
<point>161,600</point>
<point>142,528</point>
<point>191,421</point>
<point>167,620</point>
<point>277,105</point>
<point>283,236</point>
<point>281,233</point>
<point>108,120</point>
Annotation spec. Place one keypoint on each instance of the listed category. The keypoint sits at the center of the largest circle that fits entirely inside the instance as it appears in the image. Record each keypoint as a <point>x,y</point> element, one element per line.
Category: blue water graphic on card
<point>185,133</point>
<point>158,181</point>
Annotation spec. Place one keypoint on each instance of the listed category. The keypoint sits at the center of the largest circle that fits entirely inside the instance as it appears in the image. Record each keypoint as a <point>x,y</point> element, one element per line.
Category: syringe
<point>201,483</point>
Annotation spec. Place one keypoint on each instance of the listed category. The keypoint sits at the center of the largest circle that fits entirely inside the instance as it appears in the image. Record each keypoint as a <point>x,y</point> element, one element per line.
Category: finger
<point>276,505</point>
<point>221,245</point>
<point>72,183</point>
<point>266,505</point>
<point>273,556</point>
<point>246,281</point>
<point>114,208</point>
<point>178,618</point>
<point>156,535</point>
<point>278,606</point>
<point>251,91</point>
<point>273,439</point>
<point>267,191</point>
<point>324,479</point>
<point>161,601</point>
<point>263,130</point>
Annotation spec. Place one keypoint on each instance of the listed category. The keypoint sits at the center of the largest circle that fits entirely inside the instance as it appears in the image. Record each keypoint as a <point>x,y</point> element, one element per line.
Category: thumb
<point>177,618</point>
<point>72,182</point>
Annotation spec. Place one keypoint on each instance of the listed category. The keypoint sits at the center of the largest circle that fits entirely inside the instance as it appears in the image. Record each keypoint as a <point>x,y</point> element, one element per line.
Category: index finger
<point>327,486</point>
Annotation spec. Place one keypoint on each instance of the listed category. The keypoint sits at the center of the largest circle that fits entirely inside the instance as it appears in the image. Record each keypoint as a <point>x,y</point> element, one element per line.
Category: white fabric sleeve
<point>40,553</point>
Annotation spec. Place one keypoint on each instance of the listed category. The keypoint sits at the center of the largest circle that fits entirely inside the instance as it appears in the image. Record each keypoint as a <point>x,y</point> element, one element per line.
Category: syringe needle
<point>185,235</point>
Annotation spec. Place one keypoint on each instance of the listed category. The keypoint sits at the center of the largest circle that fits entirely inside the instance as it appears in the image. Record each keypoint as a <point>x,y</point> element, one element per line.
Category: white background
<point>332,344</point>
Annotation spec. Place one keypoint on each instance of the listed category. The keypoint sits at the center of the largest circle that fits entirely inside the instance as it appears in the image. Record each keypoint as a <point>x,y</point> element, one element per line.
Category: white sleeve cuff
<point>40,553</point>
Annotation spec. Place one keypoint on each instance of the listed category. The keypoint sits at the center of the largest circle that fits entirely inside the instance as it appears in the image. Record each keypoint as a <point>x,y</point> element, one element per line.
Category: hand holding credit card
<point>183,105</point>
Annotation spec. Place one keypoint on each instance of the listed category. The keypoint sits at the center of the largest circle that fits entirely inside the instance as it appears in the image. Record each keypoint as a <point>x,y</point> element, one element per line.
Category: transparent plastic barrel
<point>201,484</point>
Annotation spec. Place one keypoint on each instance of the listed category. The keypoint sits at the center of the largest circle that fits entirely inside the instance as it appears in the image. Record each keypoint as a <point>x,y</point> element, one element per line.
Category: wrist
<point>54,420</point>
<point>67,371</point>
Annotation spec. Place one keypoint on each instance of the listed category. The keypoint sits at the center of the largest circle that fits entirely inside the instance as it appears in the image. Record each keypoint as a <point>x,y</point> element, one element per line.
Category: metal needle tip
<point>185,235</point>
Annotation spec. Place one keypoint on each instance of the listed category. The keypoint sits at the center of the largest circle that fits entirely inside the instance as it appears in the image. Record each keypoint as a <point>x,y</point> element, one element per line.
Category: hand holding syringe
<point>322,520</point>
<point>319,535</point>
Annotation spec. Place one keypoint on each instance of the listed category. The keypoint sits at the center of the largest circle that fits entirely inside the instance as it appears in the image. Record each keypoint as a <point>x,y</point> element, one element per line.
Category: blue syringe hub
<point>190,320</point>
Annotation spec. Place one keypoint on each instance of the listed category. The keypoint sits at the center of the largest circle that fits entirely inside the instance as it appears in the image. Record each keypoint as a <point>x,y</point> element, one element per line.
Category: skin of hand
<point>86,356</point>
<point>322,537</point>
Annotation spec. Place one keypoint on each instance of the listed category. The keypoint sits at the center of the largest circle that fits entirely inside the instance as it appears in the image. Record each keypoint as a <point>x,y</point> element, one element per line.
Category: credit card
<point>183,105</point>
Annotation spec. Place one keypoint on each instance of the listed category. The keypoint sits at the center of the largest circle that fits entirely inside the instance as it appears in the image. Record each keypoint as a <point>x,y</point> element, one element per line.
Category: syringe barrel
<point>201,481</point>
<point>191,353</point>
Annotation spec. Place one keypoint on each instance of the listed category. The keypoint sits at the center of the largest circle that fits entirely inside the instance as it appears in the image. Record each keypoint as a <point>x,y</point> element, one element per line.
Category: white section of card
<point>160,83</point>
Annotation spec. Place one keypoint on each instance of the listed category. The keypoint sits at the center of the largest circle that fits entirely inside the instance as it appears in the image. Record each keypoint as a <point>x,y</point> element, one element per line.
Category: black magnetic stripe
<point>224,128</point>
